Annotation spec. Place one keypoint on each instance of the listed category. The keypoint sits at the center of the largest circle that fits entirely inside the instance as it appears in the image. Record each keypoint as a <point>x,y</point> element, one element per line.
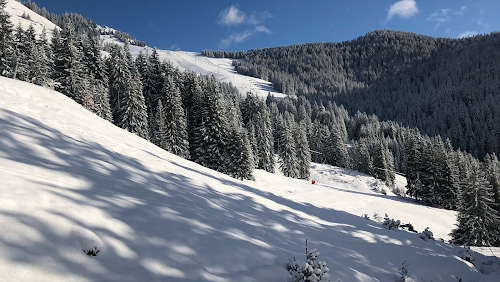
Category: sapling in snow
<point>403,271</point>
<point>309,270</point>
<point>390,223</point>
<point>426,235</point>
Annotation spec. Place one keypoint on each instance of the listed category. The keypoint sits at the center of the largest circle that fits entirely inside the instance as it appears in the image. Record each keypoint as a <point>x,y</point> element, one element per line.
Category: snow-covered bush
<point>426,234</point>
<point>379,187</point>
<point>309,270</point>
<point>399,191</point>
<point>467,254</point>
<point>377,217</point>
<point>390,223</point>
<point>403,271</point>
<point>92,251</point>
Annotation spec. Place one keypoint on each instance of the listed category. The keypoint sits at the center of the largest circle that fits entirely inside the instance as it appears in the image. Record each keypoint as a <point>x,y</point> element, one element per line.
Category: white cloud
<point>231,16</point>
<point>261,28</point>
<point>467,34</point>
<point>439,17</point>
<point>445,15</point>
<point>403,8</point>
<point>258,17</point>
<point>461,11</point>
<point>234,38</point>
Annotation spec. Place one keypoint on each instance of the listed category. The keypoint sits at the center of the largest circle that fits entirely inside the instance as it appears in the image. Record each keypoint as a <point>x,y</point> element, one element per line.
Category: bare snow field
<point>72,183</point>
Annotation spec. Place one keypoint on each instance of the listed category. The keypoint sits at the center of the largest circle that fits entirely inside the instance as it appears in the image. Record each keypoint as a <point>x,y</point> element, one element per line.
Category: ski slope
<point>220,68</point>
<point>16,10</point>
<point>71,181</point>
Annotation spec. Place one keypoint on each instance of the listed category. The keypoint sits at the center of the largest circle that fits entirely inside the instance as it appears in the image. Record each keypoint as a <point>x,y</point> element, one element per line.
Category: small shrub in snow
<point>403,271</point>
<point>467,254</point>
<point>309,270</point>
<point>399,191</point>
<point>426,235</point>
<point>390,223</point>
<point>377,217</point>
<point>366,216</point>
<point>92,251</point>
<point>379,187</point>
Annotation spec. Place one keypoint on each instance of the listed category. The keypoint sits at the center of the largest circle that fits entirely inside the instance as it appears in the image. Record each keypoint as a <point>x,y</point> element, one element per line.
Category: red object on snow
<point>314,181</point>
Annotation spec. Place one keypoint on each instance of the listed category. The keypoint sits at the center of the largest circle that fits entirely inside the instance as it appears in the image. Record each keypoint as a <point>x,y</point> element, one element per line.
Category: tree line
<point>442,86</point>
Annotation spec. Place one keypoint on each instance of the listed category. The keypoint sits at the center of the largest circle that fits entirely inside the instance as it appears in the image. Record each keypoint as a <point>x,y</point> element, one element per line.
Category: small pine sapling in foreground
<point>308,271</point>
<point>390,223</point>
<point>377,217</point>
<point>426,235</point>
<point>403,271</point>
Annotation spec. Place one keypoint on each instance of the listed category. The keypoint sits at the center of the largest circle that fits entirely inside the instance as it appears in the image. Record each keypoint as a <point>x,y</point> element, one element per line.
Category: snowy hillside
<point>16,11</point>
<point>221,68</point>
<point>73,182</point>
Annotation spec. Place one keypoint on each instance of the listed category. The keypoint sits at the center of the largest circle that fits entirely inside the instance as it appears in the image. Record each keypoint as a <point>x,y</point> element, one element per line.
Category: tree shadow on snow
<point>165,226</point>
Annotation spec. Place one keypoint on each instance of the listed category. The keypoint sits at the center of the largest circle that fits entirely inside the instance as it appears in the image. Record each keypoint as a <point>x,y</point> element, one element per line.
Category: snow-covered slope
<point>16,10</point>
<point>71,182</point>
<point>221,68</point>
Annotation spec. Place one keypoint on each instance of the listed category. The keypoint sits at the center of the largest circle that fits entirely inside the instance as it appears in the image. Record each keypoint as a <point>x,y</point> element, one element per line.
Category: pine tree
<point>126,99</point>
<point>209,132</point>
<point>286,148</point>
<point>21,54</point>
<point>383,164</point>
<point>361,159</point>
<point>492,170</point>
<point>175,121</point>
<point>478,221</point>
<point>6,41</point>
<point>40,67</point>
<point>318,142</point>
<point>303,151</point>
<point>158,129</point>
<point>98,79</point>
<point>336,149</point>
<point>238,157</point>
<point>256,118</point>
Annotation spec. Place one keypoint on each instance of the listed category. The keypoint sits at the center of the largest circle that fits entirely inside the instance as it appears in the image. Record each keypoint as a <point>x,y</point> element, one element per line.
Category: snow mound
<point>88,241</point>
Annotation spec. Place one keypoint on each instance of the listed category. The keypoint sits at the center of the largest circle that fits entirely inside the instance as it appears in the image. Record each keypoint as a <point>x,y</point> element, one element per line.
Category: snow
<point>16,9</point>
<point>71,181</point>
<point>220,68</point>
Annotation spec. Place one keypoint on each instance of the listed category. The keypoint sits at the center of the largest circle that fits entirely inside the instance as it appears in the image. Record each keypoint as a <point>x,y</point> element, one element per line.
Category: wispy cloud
<point>257,17</point>
<point>467,34</point>
<point>231,16</point>
<point>404,9</point>
<point>261,28</point>
<point>234,38</point>
<point>445,15</point>
<point>461,11</point>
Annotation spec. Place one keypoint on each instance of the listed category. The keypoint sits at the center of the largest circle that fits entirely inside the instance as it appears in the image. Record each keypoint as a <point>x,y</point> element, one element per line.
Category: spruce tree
<point>98,79</point>
<point>286,148</point>
<point>175,121</point>
<point>209,134</point>
<point>127,101</point>
<point>303,151</point>
<point>478,221</point>
<point>21,54</point>
<point>6,42</point>
<point>336,149</point>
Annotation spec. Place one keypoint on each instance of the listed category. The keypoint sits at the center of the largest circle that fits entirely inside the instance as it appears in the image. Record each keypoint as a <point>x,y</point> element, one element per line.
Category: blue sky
<point>232,25</point>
